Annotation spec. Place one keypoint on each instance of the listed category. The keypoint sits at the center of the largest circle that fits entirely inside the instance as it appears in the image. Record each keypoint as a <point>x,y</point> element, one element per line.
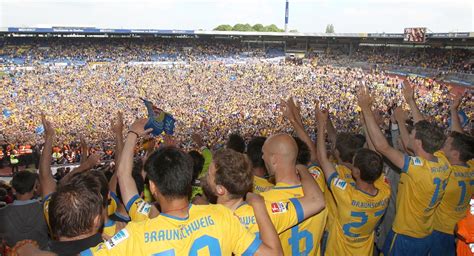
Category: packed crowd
<point>334,196</point>
<point>345,161</point>
<point>218,98</point>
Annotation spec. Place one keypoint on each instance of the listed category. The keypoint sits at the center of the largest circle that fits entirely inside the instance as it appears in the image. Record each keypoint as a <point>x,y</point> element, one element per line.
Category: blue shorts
<point>442,244</point>
<point>398,244</point>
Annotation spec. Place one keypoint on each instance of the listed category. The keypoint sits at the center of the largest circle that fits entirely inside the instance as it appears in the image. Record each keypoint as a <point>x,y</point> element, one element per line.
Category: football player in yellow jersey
<point>359,207</point>
<point>422,182</point>
<point>459,148</point>
<point>182,228</point>
<point>279,153</point>
<point>254,152</point>
<point>230,178</point>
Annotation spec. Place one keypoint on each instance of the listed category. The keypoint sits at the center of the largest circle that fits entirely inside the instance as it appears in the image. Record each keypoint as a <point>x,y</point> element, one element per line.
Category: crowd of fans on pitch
<point>213,100</point>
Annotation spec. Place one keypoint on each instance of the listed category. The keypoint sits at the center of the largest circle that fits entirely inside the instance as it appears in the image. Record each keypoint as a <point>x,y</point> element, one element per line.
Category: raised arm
<point>293,114</point>
<point>117,130</point>
<point>84,150</point>
<point>128,188</point>
<point>455,121</point>
<point>409,94</point>
<point>370,144</point>
<point>326,165</point>
<point>379,140</point>
<point>313,199</point>
<point>401,117</point>
<point>270,241</point>
<point>48,184</point>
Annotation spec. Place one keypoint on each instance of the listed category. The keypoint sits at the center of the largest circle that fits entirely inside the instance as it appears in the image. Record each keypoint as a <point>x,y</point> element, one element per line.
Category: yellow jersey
<point>304,238</point>
<point>283,214</point>
<point>208,230</point>
<point>138,209</point>
<point>455,202</point>
<point>422,185</point>
<point>113,202</point>
<point>342,171</point>
<point>261,184</point>
<point>357,214</point>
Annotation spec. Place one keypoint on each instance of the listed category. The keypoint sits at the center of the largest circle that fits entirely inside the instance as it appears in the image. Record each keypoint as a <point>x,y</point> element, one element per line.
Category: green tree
<point>223,27</point>
<point>242,27</point>
<point>258,27</point>
<point>330,28</point>
<point>273,28</point>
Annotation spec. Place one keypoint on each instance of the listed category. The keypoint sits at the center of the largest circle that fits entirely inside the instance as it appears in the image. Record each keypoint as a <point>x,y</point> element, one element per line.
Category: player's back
<point>422,185</point>
<point>455,201</point>
<point>304,238</point>
<point>357,215</point>
<point>208,229</point>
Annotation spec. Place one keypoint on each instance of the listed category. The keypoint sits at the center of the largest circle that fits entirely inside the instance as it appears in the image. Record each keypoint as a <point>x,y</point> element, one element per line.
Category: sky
<point>347,16</point>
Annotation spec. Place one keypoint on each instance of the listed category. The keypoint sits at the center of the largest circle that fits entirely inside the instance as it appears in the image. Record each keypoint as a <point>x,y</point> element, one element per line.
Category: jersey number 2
<point>211,243</point>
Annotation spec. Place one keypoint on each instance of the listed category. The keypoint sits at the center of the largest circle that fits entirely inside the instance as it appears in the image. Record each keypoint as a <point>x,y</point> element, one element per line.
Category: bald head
<point>283,147</point>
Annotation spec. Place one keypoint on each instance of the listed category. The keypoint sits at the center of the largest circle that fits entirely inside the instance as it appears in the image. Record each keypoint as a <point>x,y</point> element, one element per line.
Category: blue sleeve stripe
<point>109,223</point>
<point>87,252</point>
<point>330,178</point>
<point>253,247</point>
<point>299,209</point>
<point>115,197</point>
<point>132,200</point>
<point>47,197</point>
<point>406,164</point>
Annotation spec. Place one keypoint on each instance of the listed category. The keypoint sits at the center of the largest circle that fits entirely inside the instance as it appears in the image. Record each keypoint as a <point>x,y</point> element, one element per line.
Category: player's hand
<point>93,160</point>
<point>287,111</point>
<point>253,198</point>
<point>400,115</point>
<point>408,91</point>
<point>139,127</point>
<point>363,97</point>
<point>117,125</point>
<point>48,127</point>
<point>457,99</point>
<point>321,115</point>
<point>170,141</point>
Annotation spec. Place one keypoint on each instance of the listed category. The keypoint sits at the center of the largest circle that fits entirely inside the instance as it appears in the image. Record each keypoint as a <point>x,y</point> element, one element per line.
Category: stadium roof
<point>92,30</point>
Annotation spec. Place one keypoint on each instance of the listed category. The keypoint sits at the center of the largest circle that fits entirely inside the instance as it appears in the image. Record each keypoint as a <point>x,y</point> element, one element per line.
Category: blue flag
<point>462,117</point>
<point>6,113</point>
<point>39,129</point>
<point>159,120</point>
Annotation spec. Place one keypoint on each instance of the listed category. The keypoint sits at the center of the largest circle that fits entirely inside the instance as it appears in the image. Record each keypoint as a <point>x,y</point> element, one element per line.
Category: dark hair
<point>137,177</point>
<point>236,142</point>
<point>464,144</point>
<point>76,203</point>
<point>24,181</point>
<point>171,170</point>
<point>431,136</point>
<point>72,210</point>
<point>304,154</point>
<point>198,163</point>
<point>254,151</point>
<point>369,163</point>
<point>93,180</point>
<point>234,172</point>
<point>347,144</point>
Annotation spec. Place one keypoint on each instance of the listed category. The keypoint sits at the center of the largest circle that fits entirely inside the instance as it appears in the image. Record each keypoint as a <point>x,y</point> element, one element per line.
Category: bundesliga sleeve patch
<point>314,172</point>
<point>144,208</point>
<point>340,183</point>
<point>279,207</point>
<point>416,161</point>
<point>121,236</point>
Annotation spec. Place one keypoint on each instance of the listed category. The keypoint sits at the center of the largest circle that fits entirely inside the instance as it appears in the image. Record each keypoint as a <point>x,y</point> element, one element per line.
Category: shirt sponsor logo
<point>417,161</point>
<point>121,236</point>
<point>279,207</point>
<point>339,183</point>
<point>143,208</point>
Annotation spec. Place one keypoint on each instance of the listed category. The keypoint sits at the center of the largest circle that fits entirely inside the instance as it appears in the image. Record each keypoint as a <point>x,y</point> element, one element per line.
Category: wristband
<point>138,136</point>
